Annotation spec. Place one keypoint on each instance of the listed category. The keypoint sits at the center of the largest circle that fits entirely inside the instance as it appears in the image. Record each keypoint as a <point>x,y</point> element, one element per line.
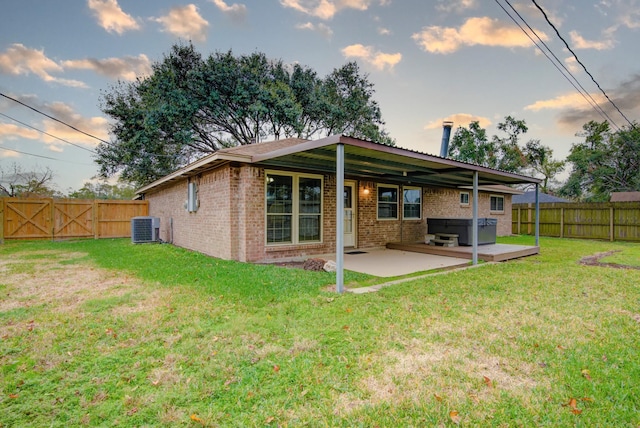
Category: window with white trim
<point>411,203</point>
<point>293,208</point>
<point>464,199</point>
<point>497,203</point>
<point>387,202</point>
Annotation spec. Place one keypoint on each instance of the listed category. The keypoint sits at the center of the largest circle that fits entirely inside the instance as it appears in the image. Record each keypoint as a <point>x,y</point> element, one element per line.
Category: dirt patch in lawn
<point>594,260</point>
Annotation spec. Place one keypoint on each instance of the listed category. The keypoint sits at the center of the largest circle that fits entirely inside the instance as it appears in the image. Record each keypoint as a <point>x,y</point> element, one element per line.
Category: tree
<point>19,183</point>
<point>539,159</point>
<point>104,190</point>
<point>472,145</point>
<point>605,162</point>
<point>192,106</point>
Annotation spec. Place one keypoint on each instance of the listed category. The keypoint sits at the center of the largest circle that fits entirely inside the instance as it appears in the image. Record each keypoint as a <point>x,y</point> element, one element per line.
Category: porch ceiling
<point>366,160</point>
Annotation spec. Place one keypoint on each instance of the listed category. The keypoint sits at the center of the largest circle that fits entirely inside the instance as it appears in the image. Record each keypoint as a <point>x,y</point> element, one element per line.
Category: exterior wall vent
<point>145,229</point>
<point>192,198</point>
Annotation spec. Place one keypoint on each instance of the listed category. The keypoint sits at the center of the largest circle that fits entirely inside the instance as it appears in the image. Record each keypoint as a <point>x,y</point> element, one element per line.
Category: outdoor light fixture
<point>366,191</point>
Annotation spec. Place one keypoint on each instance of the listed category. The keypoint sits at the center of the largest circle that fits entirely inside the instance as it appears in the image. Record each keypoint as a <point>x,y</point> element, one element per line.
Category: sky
<point>429,61</point>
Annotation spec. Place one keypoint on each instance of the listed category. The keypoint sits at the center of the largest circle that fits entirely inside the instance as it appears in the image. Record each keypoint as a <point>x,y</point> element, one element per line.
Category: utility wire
<point>46,133</point>
<point>558,63</point>
<point>580,62</point>
<point>41,156</point>
<point>53,118</point>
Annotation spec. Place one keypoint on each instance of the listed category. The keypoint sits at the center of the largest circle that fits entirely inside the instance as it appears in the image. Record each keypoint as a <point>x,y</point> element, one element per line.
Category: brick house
<point>277,200</point>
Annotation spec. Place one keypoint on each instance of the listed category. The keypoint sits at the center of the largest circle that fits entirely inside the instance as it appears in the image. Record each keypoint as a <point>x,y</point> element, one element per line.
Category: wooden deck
<point>487,253</point>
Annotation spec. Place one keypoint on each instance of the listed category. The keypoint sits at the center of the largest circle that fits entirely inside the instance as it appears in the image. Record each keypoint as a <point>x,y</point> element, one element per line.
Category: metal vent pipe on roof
<point>446,134</point>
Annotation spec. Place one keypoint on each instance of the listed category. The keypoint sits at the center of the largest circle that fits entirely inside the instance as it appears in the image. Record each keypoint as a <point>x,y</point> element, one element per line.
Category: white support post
<point>474,228</point>
<point>340,218</point>
<point>537,215</point>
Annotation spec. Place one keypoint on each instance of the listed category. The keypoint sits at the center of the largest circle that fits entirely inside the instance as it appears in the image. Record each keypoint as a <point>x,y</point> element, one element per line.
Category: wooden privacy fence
<point>615,221</point>
<point>49,218</point>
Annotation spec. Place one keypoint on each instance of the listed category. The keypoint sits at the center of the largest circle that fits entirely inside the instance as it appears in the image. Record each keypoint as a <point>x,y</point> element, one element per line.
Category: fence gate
<point>48,218</point>
<point>28,219</point>
<point>73,219</point>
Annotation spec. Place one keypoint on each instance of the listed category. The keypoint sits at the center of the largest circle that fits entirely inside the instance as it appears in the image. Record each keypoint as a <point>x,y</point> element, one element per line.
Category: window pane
<point>278,228</point>
<point>309,228</point>
<point>497,203</point>
<point>412,211</point>
<point>412,196</point>
<point>279,194</point>
<point>387,194</point>
<point>464,198</point>
<point>309,194</point>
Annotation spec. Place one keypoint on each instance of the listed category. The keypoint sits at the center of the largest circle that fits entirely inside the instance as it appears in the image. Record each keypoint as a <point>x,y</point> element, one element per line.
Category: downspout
<point>446,135</point>
<point>537,216</point>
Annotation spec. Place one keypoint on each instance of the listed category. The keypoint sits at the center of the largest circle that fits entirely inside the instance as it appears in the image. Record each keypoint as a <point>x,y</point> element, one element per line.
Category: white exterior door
<point>350,214</point>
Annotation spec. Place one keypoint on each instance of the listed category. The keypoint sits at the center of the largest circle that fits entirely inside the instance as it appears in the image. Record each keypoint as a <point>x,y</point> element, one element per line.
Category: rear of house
<point>265,202</point>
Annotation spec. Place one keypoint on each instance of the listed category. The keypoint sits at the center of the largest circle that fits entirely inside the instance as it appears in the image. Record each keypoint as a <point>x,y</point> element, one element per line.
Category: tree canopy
<point>605,162</point>
<point>191,106</point>
<point>505,152</point>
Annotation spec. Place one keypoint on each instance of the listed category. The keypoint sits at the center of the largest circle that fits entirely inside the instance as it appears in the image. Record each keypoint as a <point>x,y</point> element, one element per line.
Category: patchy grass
<point>628,255</point>
<point>109,333</point>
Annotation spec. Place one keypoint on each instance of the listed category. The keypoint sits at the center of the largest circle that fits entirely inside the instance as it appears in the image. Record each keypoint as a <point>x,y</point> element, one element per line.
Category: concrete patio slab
<point>387,263</point>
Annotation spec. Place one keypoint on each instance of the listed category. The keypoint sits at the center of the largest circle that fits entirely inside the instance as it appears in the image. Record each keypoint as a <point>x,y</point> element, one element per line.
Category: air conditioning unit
<point>145,229</point>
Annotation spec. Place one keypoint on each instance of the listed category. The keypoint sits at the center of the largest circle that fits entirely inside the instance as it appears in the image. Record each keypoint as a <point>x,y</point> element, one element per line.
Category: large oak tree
<point>191,106</point>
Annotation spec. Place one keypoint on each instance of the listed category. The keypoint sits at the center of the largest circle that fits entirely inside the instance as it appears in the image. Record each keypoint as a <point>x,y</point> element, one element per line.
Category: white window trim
<point>420,210</point>
<point>503,200</point>
<point>462,204</point>
<point>378,186</point>
<point>295,212</point>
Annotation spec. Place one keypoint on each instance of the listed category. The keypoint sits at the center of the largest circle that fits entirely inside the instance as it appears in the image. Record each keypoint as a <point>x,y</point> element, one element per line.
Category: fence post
<point>611,230</point>
<point>529,219</point>
<point>519,226</point>
<point>2,220</point>
<point>562,222</point>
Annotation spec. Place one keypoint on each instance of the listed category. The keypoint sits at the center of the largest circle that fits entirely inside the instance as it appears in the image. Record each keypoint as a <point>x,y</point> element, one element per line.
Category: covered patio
<point>347,156</point>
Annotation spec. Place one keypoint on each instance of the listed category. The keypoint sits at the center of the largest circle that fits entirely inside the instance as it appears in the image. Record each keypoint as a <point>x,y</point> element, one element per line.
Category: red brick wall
<point>230,221</point>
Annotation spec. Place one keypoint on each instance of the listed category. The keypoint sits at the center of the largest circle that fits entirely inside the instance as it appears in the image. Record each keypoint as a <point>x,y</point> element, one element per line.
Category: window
<point>497,203</point>
<point>294,208</point>
<point>387,202</point>
<point>412,203</point>
<point>464,198</point>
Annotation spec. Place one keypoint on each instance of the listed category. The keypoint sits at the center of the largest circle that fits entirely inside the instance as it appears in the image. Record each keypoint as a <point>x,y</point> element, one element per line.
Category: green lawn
<point>104,332</point>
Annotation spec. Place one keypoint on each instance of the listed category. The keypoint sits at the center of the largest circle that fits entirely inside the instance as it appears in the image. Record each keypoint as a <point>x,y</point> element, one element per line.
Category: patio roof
<point>363,160</point>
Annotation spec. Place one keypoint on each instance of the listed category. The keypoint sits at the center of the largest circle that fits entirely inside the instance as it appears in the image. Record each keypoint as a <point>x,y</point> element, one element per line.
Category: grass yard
<point>104,332</point>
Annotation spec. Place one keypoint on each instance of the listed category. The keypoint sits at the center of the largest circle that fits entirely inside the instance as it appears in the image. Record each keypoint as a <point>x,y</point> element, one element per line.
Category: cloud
<point>111,17</point>
<point>127,68</point>
<point>237,12</point>
<point>326,9</point>
<point>19,60</point>
<point>574,111</point>
<point>475,31</point>
<point>379,60</point>
<point>185,21</point>
<point>456,5</point>
<point>10,131</point>
<point>97,126</point>
<point>579,42</point>
<point>459,119</point>
<point>321,28</point>
<point>384,31</point>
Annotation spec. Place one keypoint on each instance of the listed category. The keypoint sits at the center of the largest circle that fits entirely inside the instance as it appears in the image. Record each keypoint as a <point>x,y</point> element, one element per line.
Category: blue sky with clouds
<point>430,60</point>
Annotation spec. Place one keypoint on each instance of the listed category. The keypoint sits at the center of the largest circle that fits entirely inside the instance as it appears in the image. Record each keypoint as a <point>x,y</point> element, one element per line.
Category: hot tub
<point>463,227</point>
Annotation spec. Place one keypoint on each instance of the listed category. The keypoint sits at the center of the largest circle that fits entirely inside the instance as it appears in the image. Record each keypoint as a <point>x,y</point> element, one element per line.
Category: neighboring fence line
<point>615,221</point>
<point>48,218</point>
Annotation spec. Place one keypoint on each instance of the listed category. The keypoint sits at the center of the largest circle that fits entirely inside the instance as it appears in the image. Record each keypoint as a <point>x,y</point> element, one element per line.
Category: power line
<point>558,63</point>
<point>53,118</point>
<point>580,62</point>
<point>46,133</point>
<point>41,156</point>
